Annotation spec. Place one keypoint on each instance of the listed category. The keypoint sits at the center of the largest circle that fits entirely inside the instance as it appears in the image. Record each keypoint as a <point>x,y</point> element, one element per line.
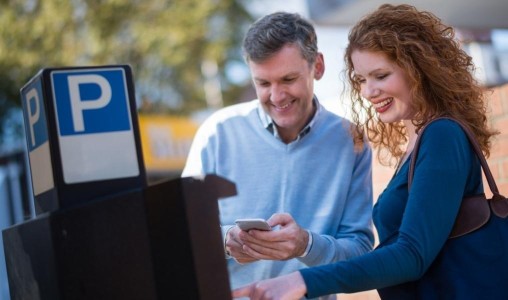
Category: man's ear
<point>319,66</point>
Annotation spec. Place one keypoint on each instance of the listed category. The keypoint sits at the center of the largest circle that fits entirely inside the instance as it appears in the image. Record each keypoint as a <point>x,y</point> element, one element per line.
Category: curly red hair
<point>439,71</point>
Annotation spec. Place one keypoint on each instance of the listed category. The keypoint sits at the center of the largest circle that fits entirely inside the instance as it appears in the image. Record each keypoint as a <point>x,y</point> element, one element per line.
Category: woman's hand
<point>287,287</point>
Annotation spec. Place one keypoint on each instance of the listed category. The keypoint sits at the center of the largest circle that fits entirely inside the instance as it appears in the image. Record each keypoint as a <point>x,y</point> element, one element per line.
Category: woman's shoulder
<point>444,128</point>
<point>444,133</point>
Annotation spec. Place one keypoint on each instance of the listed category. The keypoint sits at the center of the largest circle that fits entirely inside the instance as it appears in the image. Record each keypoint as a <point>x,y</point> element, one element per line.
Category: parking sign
<point>94,124</point>
<point>37,137</point>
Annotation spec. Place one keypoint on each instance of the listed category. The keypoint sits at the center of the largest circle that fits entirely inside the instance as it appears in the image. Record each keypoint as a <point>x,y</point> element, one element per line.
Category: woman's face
<point>384,84</point>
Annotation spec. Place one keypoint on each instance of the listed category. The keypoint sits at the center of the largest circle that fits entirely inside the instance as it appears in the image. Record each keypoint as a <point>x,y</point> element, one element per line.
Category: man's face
<point>284,84</point>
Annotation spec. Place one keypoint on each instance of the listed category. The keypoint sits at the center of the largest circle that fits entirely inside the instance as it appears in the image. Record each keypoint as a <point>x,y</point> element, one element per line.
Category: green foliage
<point>164,41</point>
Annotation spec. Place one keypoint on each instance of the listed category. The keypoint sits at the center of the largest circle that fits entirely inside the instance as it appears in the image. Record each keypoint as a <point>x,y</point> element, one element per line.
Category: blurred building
<point>479,24</point>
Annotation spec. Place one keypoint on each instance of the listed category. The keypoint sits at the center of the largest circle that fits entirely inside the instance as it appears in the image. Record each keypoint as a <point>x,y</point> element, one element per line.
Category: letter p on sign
<point>78,105</point>
<point>33,116</point>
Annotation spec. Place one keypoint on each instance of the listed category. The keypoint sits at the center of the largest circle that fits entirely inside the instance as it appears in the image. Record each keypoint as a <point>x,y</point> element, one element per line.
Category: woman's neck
<point>410,129</point>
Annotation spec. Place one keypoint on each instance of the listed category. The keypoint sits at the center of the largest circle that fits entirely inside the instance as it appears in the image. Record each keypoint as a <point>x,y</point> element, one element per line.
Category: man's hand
<point>289,241</point>
<point>234,247</point>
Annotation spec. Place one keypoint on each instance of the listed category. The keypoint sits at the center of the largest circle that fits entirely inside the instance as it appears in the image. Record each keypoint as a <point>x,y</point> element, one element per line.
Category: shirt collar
<point>270,126</point>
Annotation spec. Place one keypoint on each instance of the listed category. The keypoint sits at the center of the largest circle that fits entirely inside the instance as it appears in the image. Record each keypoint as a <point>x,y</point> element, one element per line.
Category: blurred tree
<point>165,42</point>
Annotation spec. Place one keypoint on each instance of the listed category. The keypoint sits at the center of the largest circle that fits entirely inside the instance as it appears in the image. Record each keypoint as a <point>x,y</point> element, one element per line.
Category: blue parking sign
<point>94,124</point>
<point>37,137</point>
<point>34,115</point>
<point>91,101</point>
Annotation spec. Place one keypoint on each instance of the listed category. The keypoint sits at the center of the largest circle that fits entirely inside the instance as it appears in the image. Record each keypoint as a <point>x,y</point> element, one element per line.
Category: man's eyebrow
<point>291,74</point>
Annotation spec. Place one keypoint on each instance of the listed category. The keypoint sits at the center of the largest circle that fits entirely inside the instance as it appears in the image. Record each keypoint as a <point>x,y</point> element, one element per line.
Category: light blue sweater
<point>319,179</point>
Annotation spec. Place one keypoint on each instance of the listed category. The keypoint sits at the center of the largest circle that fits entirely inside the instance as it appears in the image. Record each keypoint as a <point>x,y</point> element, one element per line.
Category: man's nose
<point>277,93</point>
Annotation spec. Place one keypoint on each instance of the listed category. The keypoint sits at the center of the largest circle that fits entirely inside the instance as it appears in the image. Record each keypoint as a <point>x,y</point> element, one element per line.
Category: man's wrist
<point>226,252</point>
<point>309,245</point>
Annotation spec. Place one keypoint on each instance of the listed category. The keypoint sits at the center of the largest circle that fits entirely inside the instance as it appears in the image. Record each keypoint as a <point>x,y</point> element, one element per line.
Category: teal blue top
<point>446,170</point>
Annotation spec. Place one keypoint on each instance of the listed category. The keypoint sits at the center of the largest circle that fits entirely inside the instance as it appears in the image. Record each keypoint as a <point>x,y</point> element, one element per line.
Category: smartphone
<point>255,223</point>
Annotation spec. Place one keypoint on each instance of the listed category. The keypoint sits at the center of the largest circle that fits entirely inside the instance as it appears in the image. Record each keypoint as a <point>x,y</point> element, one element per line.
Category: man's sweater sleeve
<point>356,230</point>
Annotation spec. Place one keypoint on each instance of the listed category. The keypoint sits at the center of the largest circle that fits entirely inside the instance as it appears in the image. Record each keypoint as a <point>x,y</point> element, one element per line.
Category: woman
<point>408,66</point>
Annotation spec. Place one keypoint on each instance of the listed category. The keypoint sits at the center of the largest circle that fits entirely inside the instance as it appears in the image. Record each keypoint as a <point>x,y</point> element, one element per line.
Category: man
<point>293,162</point>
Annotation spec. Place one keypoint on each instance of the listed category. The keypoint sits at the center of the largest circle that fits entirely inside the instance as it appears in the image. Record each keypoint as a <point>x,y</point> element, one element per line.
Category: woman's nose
<point>369,91</point>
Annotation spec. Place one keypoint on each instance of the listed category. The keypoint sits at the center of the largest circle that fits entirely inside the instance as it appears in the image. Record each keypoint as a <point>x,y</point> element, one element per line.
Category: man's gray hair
<point>272,32</point>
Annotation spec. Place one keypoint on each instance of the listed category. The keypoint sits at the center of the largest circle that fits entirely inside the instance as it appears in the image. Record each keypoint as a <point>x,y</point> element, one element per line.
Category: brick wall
<point>498,115</point>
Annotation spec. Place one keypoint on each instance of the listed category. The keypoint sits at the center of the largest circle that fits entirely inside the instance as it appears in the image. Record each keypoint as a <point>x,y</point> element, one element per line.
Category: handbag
<point>473,263</point>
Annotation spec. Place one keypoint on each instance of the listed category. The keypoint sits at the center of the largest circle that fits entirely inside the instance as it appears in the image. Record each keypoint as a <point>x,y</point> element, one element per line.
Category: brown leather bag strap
<point>474,210</point>
<point>477,150</point>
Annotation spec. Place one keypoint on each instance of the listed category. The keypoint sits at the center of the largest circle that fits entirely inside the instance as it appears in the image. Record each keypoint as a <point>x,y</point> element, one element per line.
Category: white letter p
<point>78,106</point>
